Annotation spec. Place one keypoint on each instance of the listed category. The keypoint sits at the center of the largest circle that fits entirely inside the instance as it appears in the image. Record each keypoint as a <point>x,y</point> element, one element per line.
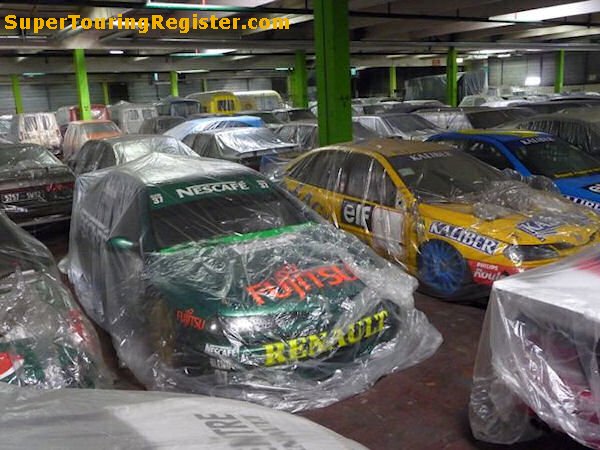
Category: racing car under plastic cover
<point>45,341</point>
<point>455,222</point>
<point>212,280</point>
<point>538,355</point>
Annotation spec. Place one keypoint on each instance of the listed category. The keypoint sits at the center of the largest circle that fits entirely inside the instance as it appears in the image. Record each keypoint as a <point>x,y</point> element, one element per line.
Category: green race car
<point>210,279</point>
<point>45,341</point>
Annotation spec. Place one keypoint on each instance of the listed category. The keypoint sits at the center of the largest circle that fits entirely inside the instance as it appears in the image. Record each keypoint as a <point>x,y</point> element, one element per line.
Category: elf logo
<point>595,188</point>
<point>357,214</point>
<point>9,364</point>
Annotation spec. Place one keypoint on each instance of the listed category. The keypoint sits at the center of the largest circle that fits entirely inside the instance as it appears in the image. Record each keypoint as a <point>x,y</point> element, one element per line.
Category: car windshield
<point>224,214</point>
<point>31,157</point>
<point>443,175</point>
<point>100,127</point>
<point>185,109</point>
<point>301,114</point>
<point>554,158</point>
<point>408,123</point>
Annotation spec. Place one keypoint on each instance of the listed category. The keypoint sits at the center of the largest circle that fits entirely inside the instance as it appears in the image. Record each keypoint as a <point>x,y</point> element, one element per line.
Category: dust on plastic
<point>451,220</point>
<point>100,154</point>
<point>538,355</point>
<point>46,342</point>
<point>212,280</point>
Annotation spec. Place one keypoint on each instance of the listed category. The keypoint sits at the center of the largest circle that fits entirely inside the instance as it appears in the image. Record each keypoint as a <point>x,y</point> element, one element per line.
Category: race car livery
<point>575,173</point>
<point>211,279</point>
<point>456,223</point>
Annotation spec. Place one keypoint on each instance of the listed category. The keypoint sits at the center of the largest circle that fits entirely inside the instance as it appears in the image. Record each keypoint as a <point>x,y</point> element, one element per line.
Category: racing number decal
<point>357,214</point>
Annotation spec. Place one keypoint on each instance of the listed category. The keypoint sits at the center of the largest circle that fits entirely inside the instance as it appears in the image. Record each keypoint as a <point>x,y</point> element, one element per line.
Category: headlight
<point>523,253</point>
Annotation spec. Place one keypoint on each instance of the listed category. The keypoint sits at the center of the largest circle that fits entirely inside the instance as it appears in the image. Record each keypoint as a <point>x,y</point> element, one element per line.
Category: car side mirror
<point>122,243</point>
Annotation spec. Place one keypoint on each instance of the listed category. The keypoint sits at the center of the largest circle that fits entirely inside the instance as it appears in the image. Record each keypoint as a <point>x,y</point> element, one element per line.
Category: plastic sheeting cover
<point>45,342</point>
<point>455,222</point>
<point>237,142</point>
<point>538,355</point>
<point>576,131</point>
<point>108,419</point>
<point>212,280</point>
<point>406,126</point>
<point>78,133</point>
<point>100,154</point>
<point>159,125</point>
<point>212,123</point>
<point>35,128</point>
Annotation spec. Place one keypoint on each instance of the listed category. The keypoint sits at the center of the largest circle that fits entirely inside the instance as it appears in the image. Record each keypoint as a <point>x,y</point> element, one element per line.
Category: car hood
<point>304,268</point>
<point>513,213</point>
<point>587,187</point>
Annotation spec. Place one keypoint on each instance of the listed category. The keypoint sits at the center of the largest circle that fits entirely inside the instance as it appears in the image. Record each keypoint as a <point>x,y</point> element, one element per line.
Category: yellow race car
<point>453,221</point>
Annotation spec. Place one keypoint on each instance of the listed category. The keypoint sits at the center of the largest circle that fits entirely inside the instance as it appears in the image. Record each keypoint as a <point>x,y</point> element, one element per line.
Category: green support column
<point>393,82</point>
<point>290,88</point>
<point>174,85</point>
<point>105,93</point>
<point>300,81</point>
<point>332,51</point>
<point>559,80</point>
<point>452,78</point>
<point>83,90</point>
<point>16,89</point>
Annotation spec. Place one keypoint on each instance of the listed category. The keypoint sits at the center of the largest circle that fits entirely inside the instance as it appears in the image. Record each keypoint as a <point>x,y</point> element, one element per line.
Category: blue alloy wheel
<point>441,268</point>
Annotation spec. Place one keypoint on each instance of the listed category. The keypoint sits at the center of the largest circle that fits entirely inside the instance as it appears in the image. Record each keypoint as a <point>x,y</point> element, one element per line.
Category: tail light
<point>59,187</point>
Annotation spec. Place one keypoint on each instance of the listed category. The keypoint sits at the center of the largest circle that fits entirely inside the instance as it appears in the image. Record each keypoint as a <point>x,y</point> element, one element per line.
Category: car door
<point>371,207</point>
<point>315,180</point>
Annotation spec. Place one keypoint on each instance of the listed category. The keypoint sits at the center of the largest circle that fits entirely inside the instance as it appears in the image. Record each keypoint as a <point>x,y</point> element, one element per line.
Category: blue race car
<point>575,173</point>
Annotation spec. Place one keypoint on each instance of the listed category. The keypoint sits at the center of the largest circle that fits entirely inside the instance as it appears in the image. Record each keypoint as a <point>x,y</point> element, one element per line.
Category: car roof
<point>391,147</point>
<point>499,135</point>
<point>134,137</point>
<point>158,169</point>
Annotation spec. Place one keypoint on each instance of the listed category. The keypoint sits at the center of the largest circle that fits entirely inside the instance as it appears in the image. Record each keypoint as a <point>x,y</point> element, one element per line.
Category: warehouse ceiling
<point>406,32</point>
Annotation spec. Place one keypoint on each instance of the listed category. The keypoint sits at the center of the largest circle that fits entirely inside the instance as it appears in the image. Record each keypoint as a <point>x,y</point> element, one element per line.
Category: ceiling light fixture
<point>551,12</point>
<point>116,52</point>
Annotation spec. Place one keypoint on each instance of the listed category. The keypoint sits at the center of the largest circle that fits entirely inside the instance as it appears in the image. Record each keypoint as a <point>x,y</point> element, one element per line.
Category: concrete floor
<point>424,407</point>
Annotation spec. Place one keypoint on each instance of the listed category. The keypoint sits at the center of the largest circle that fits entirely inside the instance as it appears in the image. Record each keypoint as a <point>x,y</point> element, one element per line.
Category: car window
<point>487,153</point>
<point>133,114</point>
<point>147,113</point>
<point>368,180</point>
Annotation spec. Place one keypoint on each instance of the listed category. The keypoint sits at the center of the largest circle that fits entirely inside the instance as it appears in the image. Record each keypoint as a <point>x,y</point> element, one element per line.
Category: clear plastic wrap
<point>305,134</point>
<point>160,124</point>
<point>100,154</point>
<point>538,355</point>
<point>178,107</point>
<point>46,342</point>
<point>78,133</point>
<point>36,128</point>
<point>447,118</point>
<point>573,128</point>
<point>453,221</point>
<point>434,86</point>
<point>212,123</point>
<point>130,116</point>
<point>405,126</point>
<point>35,186</point>
<point>212,280</point>
<point>246,145</point>
<point>106,419</point>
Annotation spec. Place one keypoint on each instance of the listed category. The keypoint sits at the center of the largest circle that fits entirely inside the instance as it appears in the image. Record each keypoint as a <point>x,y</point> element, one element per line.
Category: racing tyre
<point>442,271</point>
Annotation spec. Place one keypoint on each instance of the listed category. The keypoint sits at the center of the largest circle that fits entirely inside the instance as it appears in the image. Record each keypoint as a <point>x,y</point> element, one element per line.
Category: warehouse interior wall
<point>42,93</point>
